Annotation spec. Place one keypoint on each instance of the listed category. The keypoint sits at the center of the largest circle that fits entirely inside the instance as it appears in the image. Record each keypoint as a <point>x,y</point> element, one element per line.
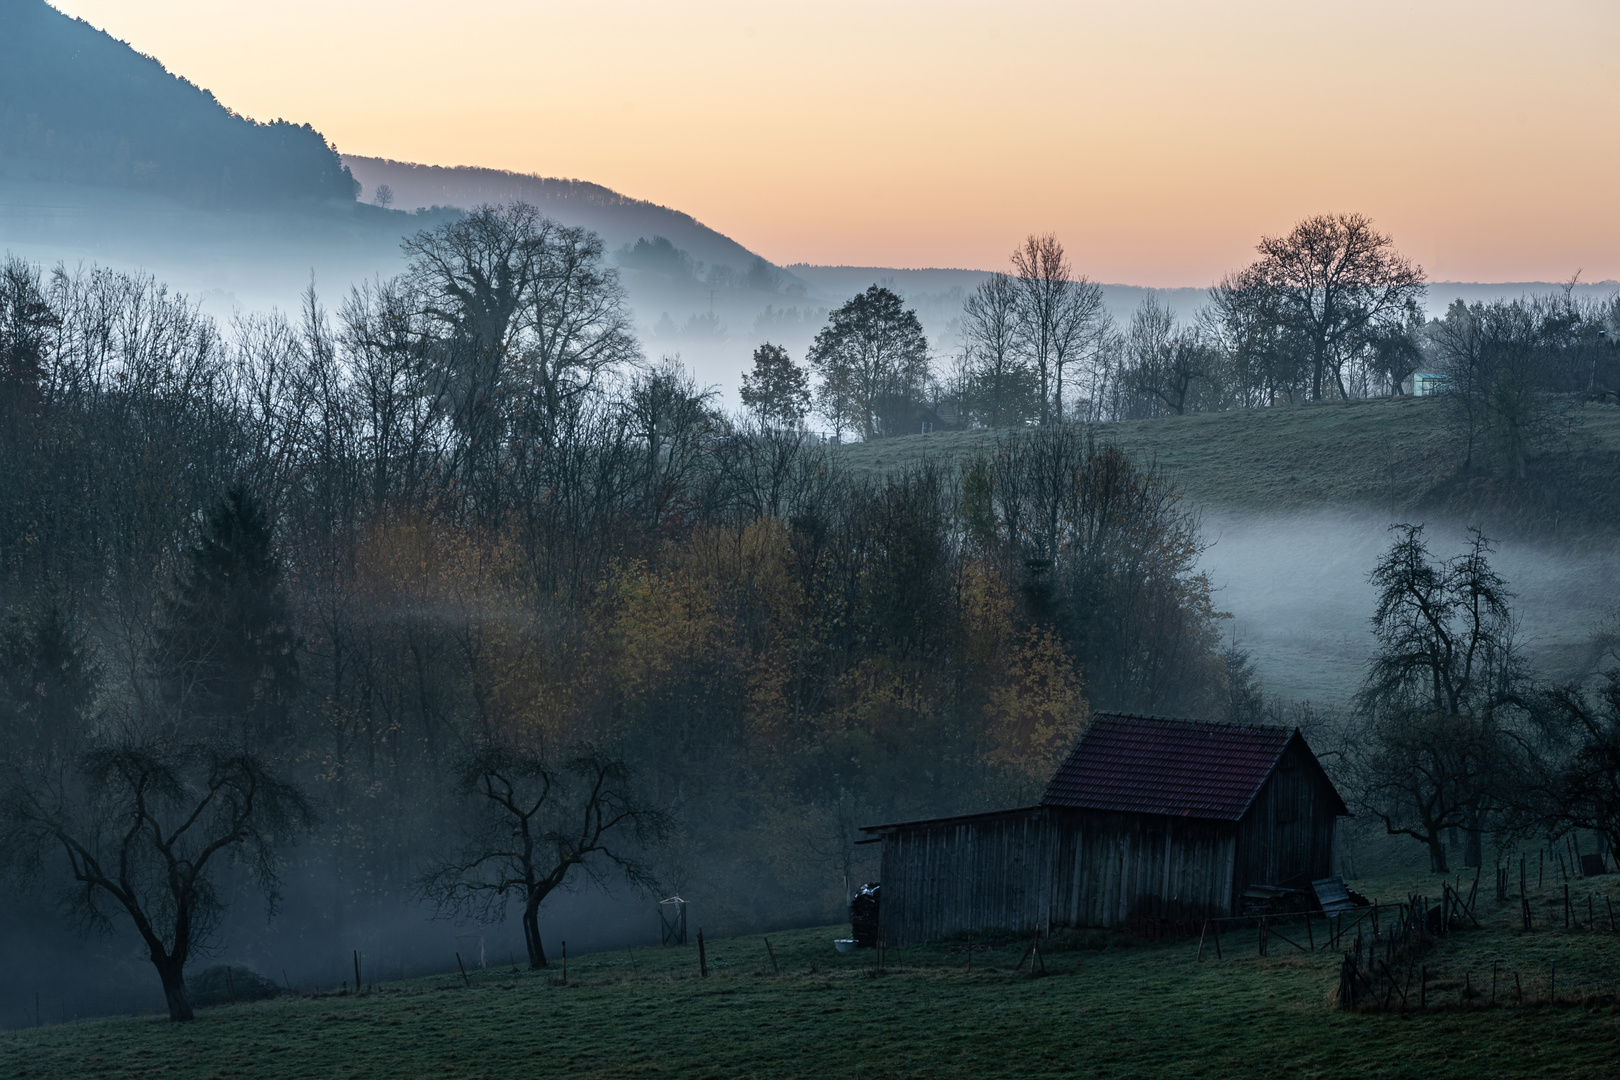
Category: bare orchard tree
<point>1581,788</point>
<point>141,828</point>
<point>533,824</point>
<point>1334,281</point>
<point>1423,774</point>
<point>1059,315</point>
<point>1442,696</point>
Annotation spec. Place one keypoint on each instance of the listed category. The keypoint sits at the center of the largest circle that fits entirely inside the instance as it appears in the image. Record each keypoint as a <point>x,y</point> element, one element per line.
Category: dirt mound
<point>224,984</point>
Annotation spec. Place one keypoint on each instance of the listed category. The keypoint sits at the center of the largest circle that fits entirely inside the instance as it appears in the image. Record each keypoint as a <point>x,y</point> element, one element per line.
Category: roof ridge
<point>1160,764</point>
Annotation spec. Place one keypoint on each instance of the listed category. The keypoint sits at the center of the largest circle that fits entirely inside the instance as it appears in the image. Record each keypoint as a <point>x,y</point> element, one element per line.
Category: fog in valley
<point>481,558</point>
<point>1296,587</point>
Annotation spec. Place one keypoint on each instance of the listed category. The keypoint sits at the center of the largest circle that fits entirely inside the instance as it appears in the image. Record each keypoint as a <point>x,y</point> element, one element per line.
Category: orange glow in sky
<point>1157,139</point>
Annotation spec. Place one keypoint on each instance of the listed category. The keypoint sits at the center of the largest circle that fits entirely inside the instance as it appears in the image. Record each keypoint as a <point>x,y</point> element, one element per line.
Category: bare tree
<point>1000,389</point>
<point>1501,362</point>
<point>1423,773</point>
<point>141,828</point>
<point>1058,314</point>
<point>1581,788</point>
<point>576,328</point>
<point>1331,282</point>
<point>526,318</point>
<point>1440,692</point>
<point>473,276</point>
<point>670,417</point>
<point>1165,361</point>
<point>534,824</point>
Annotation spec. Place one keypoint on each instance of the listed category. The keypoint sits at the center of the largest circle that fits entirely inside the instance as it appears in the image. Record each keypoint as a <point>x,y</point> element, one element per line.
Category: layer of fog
<point>309,945</point>
<point>710,307</point>
<point>1297,590</point>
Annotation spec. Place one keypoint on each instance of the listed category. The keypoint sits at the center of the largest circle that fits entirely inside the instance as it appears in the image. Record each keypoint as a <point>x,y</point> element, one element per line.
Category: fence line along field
<point>1108,1004</point>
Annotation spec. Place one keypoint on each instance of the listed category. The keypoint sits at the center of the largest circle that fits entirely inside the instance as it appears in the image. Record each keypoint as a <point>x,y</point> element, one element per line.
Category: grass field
<point>1394,456</point>
<point>1110,1006</point>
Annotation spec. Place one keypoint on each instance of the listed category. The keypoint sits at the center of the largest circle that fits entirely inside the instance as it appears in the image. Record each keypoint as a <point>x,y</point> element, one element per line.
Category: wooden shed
<point>1169,819</point>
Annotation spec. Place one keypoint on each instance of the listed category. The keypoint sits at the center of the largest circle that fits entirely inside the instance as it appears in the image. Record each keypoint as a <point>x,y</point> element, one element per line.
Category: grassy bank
<point>1392,456</point>
<point>1110,1006</point>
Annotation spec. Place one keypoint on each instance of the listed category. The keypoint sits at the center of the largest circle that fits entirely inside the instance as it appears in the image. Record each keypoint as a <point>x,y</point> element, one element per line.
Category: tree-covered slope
<point>78,105</point>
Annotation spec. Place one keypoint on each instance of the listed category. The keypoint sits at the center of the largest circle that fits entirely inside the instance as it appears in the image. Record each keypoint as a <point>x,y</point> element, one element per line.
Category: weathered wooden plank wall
<point>1130,865</point>
<point>944,877</point>
<point>1057,866</point>
<point>1286,838</point>
<point>1051,867</point>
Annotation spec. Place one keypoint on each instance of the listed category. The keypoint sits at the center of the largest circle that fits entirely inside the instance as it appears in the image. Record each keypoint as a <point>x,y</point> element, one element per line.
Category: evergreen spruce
<point>227,654</point>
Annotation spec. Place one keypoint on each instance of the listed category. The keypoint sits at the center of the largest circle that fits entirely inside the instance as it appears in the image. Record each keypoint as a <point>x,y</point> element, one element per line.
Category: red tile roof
<point>1147,765</point>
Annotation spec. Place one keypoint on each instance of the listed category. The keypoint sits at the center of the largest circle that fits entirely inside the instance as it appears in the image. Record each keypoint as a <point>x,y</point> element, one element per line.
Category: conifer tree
<point>227,654</point>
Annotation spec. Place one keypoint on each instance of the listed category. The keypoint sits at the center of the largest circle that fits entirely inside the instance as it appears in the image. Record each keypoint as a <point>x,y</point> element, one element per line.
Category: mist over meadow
<point>443,564</point>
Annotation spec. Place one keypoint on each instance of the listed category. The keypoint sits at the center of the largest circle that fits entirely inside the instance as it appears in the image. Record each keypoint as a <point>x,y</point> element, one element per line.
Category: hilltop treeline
<point>1330,311</point>
<point>461,510</point>
<point>78,105</point>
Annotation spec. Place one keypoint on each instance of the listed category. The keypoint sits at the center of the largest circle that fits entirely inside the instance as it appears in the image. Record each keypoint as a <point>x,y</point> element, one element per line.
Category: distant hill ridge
<point>78,105</point>
<point>619,219</point>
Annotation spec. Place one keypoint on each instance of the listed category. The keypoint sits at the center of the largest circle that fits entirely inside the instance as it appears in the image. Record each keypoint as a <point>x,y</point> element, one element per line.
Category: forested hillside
<point>444,538</point>
<point>78,105</point>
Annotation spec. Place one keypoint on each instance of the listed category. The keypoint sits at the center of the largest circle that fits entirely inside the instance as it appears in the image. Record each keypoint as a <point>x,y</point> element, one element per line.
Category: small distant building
<point>1425,384</point>
<point>1149,817</point>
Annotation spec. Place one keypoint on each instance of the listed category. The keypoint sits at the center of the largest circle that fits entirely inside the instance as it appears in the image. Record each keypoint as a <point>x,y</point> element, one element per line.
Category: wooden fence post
<point>703,959</point>
<point>357,971</point>
<point>463,968</point>
<point>772,954</point>
<point>1201,933</point>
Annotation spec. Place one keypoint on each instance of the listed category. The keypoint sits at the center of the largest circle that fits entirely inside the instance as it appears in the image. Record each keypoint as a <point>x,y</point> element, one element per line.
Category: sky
<point>1159,139</point>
